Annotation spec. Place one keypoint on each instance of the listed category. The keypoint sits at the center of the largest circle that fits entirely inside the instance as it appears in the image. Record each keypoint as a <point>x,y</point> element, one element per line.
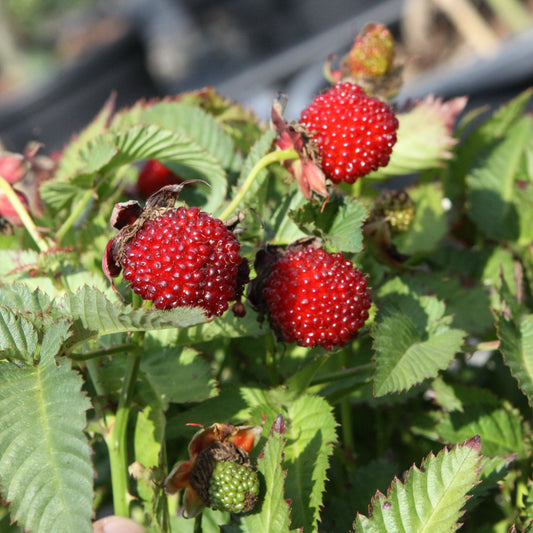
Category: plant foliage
<point>101,393</point>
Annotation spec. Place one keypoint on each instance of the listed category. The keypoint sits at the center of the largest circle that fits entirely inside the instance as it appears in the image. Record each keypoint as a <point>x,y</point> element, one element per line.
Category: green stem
<point>23,214</point>
<point>271,360</point>
<point>117,439</point>
<point>272,157</point>
<point>198,524</point>
<point>87,356</point>
<point>74,215</point>
<point>346,416</point>
<point>95,377</point>
<point>357,188</point>
<point>365,371</point>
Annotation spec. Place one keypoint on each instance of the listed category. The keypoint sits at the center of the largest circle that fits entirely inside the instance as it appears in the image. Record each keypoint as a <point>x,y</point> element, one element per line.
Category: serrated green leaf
<point>430,499</point>
<point>517,348</point>
<point>21,297</point>
<point>527,510</point>
<point>515,331</point>
<point>18,337</point>
<point>229,406</point>
<point>194,122</point>
<point>94,315</point>
<point>177,376</point>
<point>405,354</point>
<point>310,437</point>
<point>480,139</point>
<point>430,223</point>
<point>491,184</point>
<point>502,119</point>
<point>54,338</point>
<point>339,223</point>
<point>456,397</point>
<point>58,195</point>
<point>500,428</point>
<point>227,326</point>
<point>310,433</point>
<point>33,304</point>
<point>181,153</point>
<point>15,261</point>
<point>492,473</point>
<point>273,515</point>
<point>45,466</point>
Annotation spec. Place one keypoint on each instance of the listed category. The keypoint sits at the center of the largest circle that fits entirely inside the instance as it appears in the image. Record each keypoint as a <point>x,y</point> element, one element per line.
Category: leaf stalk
<point>277,156</point>
<point>23,214</point>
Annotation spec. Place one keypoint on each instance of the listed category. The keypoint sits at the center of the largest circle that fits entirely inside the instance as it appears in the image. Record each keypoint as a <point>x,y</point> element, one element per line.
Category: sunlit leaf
<point>45,466</point>
<point>430,498</point>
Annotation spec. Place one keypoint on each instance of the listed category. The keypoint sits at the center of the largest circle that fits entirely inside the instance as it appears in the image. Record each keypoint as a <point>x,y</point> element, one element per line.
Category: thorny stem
<point>74,215</point>
<point>277,156</point>
<point>23,214</point>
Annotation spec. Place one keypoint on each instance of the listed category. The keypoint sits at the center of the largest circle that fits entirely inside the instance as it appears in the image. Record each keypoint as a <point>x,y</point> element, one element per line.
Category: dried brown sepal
<point>306,169</point>
<point>125,213</point>
<point>129,217</point>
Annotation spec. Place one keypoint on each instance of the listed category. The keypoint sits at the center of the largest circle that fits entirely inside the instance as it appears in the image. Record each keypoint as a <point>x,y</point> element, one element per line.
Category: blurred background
<point>61,59</point>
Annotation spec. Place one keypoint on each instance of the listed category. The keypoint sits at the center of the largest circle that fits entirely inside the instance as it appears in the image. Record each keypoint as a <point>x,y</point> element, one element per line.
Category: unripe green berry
<point>233,487</point>
<point>398,209</point>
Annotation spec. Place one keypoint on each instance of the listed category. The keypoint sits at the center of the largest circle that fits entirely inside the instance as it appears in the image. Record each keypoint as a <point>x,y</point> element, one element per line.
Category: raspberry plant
<point>418,419</point>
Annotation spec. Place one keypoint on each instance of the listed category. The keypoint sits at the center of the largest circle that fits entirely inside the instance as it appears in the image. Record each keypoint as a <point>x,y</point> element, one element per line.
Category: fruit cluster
<point>233,487</point>
<point>396,208</point>
<point>184,257</point>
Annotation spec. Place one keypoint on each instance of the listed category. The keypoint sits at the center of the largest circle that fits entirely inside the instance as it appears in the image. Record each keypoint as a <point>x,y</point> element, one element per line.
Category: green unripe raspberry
<point>233,487</point>
<point>398,209</point>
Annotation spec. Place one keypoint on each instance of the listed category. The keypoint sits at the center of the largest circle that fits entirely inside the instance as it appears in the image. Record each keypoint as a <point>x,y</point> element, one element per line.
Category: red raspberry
<point>153,176</point>
<point>183,257</point>
<point>316,298</point>
<point>354,132</point>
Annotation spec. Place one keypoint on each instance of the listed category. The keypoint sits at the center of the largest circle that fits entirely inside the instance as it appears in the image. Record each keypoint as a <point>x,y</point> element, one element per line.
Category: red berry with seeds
<point>183,257</point>
<point>316,298</point>
<point>153,176</point>
<point>355,133</point>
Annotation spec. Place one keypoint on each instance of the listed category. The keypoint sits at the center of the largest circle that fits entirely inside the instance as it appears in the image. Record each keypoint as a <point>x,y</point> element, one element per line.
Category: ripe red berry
<point>153,176</point>
<point>316,298</point>
<point>183,257</point>
<point>354,132</point>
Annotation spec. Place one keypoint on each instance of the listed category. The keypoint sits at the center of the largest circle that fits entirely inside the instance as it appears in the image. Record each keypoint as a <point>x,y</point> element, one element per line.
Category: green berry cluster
<point>233,487</point>
<point>398,209</point>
